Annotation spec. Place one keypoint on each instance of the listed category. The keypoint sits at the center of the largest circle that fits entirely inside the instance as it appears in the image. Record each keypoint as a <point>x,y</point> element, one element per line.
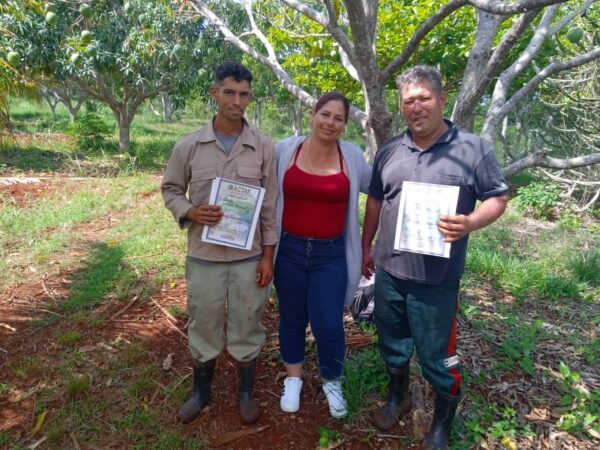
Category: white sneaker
<point>337,403</point>
<point>290,397</point>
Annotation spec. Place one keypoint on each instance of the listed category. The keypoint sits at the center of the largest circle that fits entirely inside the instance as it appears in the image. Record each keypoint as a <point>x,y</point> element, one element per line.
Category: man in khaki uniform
<point>216,275</point>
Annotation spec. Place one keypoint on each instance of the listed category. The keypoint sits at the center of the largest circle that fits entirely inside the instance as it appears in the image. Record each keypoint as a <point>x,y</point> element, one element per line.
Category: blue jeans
<point>422,316</point>
<point>310,278</point>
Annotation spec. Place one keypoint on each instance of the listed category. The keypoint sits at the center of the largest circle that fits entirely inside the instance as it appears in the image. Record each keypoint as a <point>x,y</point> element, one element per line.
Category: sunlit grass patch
<point>28,366</point>
<point>68,338</point>
<point>585,266</point>
<point>39,234</point>
<point>177,311</point>
<point>171,439</point>
<point>136,424</point>
<point>78,386</point>
<point>485,420</point>
<point>532,264</point>
<point>134,353</point>
<point>142,384</point>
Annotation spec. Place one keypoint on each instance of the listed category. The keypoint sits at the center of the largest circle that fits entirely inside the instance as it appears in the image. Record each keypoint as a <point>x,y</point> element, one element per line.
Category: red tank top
<point>315,205</point>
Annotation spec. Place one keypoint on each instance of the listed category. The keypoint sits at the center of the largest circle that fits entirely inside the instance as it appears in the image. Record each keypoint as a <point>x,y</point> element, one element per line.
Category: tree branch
<point>417,37</point>
<point>494,117</point>
<point>567,181</point>
<point>344,44</point>
<point>508,41</point>
<point>541,159</point>
<point>280,73</point>
<point>330,25</point>
<point>309,12</point>
<point>510,8</point>
<point>103,93</point>
<point>360,18</point>
<point>570,17</point>
<point>259,34</point>
<point>506,78</point>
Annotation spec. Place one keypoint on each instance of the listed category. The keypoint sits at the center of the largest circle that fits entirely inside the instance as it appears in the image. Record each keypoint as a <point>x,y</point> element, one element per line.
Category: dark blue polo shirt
<point>458,158</point>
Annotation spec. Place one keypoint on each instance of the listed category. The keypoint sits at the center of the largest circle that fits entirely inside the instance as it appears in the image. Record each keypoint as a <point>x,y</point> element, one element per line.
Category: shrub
<point>90,130</point>
<point>538,199</point>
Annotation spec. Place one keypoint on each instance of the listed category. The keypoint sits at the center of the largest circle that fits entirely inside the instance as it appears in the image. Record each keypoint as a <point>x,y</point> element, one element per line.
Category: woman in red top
<point>311,274</point>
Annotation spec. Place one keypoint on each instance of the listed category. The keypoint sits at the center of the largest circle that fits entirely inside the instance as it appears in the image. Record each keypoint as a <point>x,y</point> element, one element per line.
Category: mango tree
<point>12,81</point>
<point>118,53</point>
<point>494,67</point>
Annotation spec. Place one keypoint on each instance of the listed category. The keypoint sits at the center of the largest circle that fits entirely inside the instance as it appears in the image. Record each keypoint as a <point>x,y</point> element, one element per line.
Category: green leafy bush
<point>582,405</point>
<point>538,199</point>
<point>569,219</point>
<point>90,130</point>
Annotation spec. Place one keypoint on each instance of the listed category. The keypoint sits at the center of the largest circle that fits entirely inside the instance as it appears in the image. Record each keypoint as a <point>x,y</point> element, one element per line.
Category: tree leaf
<point>39,423</point>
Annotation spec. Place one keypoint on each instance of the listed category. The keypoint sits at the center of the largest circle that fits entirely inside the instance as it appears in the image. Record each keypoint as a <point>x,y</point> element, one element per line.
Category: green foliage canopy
<point>119,53</point>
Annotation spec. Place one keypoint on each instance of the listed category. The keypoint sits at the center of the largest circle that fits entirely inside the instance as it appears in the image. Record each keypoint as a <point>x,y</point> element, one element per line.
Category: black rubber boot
<point>203,375</point>
<point>399,401</point>
<point>438,436</point>
<point>249,411</point>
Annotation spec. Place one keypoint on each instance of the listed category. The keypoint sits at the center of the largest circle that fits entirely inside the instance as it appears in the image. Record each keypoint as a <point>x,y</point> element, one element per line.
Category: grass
<point>364,376</point>
<point>37,235</point>
<point>78,386</point>
<point>68,338</point>
<point>543,266</point>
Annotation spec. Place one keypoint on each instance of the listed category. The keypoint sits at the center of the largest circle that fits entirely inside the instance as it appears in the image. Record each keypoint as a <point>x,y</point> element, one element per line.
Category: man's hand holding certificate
<point>205,214</point>
<point>454,228</point>
<point>239,205</point>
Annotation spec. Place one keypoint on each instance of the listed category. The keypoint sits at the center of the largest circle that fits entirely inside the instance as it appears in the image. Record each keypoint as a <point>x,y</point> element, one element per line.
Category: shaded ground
<point>101,350</point>
<point>134,356</point>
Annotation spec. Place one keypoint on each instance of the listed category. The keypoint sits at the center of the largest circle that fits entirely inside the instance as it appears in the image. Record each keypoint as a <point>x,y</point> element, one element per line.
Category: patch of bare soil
<point>41,138</point>
<point>21,193</point>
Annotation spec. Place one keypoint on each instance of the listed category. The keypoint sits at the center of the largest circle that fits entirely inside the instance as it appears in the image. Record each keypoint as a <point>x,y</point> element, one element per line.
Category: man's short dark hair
<point>419,74</point>
<point>234,70</point>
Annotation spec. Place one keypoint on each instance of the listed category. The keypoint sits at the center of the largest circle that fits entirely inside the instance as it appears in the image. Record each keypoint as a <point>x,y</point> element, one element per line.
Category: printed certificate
<point>421,205</point>
<point>240,204</point>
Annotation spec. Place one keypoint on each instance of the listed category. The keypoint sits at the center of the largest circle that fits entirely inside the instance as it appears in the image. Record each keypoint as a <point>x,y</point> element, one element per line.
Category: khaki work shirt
<point>199,158</point>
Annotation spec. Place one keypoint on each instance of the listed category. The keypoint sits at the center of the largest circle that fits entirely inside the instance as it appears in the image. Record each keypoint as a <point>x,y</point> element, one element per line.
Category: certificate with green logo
<point>241,205</point>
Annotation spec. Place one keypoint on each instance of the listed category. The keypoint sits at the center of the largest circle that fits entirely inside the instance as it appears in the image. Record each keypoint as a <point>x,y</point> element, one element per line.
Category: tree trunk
<point>124,137</point>
<point>378,125</point>
<point>124,123</point>
<point>73,109</point>
<point>52,102</point>
<point>258,114</point>
<point>475,79</point>
<point>297,113</point>
<point>167,106</point>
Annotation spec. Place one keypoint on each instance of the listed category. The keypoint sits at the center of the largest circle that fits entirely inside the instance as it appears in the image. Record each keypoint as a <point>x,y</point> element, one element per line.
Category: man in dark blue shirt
<point>416,294</point>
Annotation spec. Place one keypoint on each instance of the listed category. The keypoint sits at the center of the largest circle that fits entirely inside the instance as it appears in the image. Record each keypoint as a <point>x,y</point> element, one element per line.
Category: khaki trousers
<point>210,288</point>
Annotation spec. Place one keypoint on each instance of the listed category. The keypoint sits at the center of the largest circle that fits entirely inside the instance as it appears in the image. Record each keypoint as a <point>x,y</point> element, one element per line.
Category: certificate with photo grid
<point>421,205</point>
